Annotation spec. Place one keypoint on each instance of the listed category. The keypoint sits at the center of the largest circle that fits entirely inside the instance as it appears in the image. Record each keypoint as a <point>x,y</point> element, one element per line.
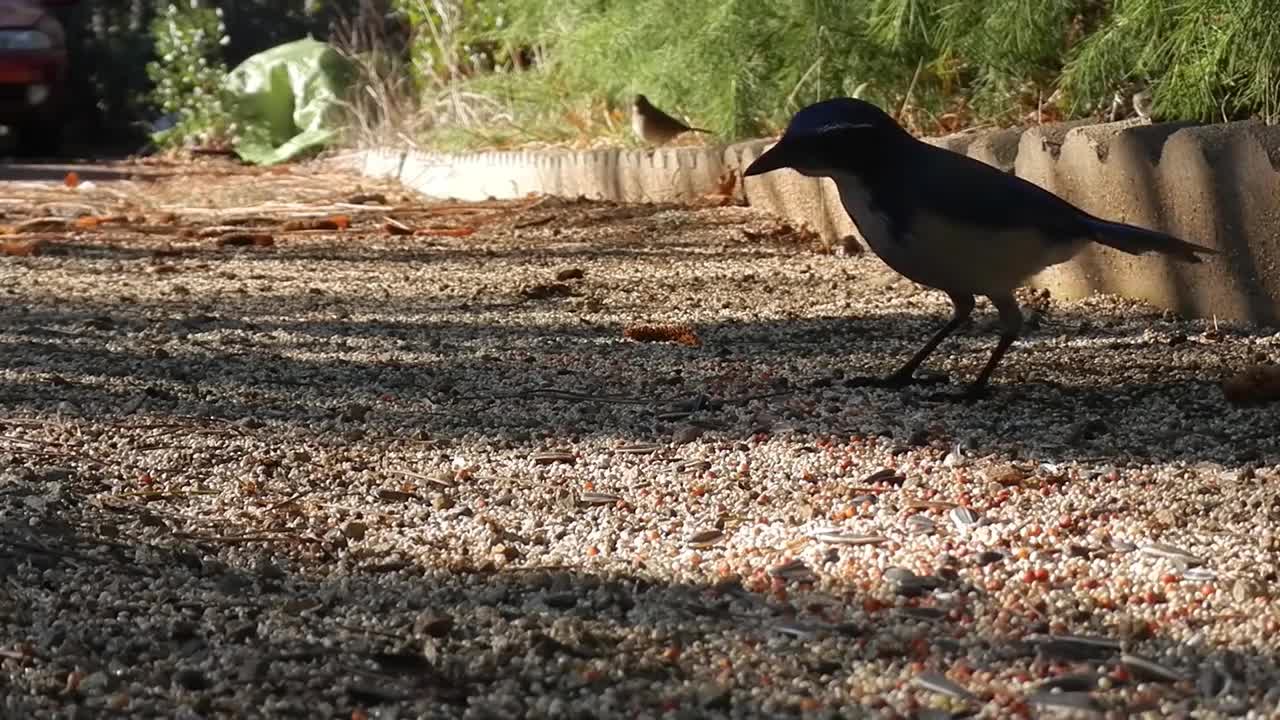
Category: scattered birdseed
<point>327,447</point>
<point>937,682</point>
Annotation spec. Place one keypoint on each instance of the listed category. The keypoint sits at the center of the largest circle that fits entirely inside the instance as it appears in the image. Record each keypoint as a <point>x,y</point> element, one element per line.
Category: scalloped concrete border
<point>1216,185</point>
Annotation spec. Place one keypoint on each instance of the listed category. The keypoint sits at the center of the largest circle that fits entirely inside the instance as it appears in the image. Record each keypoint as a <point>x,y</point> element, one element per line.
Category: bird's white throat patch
<point>872,223</point>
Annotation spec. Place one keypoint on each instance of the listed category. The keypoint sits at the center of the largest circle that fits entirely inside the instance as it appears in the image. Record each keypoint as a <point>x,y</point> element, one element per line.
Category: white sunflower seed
<point>1150,670</point>
<point>599,498</point>
<point>553,456</point>
<point>1163,550</point>
<point>800,630</point>
<point>964,517</point>
<point>1066,700</point>
<point>1199,574</point>
<point>920,524</point>
<point>851,539</point>
<point>637,449</point>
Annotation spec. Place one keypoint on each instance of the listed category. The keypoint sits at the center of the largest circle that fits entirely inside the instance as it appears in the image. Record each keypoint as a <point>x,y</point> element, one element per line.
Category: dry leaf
<point>243,239</point>
<point>727,183</point>
<point>21,248</point>
<point>88,222</point>
<point>682,334</point>
<point>334,222</point>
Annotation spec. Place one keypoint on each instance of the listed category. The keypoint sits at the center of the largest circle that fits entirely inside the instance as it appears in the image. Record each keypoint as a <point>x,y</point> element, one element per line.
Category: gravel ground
<point>252,467</point>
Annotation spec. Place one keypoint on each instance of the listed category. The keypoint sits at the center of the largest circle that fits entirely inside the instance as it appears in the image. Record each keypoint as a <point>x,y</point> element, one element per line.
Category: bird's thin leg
<point>1010,327</point>
<point>963,308</point>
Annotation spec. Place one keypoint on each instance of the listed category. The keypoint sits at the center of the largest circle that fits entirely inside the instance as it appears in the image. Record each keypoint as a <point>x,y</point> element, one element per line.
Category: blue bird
<point>946,220</point>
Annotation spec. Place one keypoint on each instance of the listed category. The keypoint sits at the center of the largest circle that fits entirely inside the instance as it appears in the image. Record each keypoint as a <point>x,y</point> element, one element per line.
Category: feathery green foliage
<point>742,67</point>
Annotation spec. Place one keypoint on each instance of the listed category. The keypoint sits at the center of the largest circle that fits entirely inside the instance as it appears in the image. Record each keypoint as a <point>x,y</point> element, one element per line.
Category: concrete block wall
<point>1215,185</point>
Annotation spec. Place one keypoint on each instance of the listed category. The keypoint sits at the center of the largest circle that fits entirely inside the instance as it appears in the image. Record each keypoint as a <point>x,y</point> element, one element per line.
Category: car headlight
<point>24,40</point>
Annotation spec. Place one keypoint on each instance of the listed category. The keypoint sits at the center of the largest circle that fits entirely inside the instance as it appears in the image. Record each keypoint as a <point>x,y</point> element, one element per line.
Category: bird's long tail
<point>1136,241</point>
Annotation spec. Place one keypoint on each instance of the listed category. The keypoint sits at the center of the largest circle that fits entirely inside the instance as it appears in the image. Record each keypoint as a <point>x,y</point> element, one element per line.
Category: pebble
<point>792,570</point>
<point>686,434</point>
<point>704,538</point>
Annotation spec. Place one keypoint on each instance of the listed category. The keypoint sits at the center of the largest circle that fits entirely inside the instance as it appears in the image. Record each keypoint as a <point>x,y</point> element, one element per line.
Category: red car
<point>33,74</point>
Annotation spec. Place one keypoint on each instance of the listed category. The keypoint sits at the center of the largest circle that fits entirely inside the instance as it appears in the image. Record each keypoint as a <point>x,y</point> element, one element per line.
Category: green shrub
<point>742,67</point>
<point>188,75</point>
<point>1205,60</point>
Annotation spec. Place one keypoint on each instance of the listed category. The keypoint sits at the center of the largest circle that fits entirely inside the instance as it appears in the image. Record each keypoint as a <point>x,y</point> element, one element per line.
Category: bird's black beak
<point>775,158</point>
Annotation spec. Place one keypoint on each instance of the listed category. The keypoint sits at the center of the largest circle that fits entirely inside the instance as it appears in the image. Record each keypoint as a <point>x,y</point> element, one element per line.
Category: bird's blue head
<point>829,137</point>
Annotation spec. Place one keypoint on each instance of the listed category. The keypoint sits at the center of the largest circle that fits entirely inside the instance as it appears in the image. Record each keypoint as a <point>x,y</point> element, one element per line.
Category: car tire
<point>36,140</point>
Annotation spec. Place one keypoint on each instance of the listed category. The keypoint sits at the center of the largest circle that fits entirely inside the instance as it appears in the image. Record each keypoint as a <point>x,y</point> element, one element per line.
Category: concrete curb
<point>1216,185</point>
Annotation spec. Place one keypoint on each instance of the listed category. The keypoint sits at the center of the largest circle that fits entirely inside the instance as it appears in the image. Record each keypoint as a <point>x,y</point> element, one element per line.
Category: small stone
<point>1212,682</point>
<point>1244,590</point>
<point>190,680</point>
<point>987,557</point>
<point>704,538</point>
<point>886,476</point>
<point>253,670</point>
<point>432,625</point>
<point>687,434</point>
<point>792,570</point>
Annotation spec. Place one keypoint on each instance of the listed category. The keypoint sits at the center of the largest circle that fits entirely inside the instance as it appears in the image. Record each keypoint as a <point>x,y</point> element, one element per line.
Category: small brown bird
<point>654,126</point>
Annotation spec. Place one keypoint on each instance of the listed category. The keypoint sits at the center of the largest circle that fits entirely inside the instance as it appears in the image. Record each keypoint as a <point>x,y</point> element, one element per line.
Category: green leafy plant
<point>188,75</point>
<point>512,71</point>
